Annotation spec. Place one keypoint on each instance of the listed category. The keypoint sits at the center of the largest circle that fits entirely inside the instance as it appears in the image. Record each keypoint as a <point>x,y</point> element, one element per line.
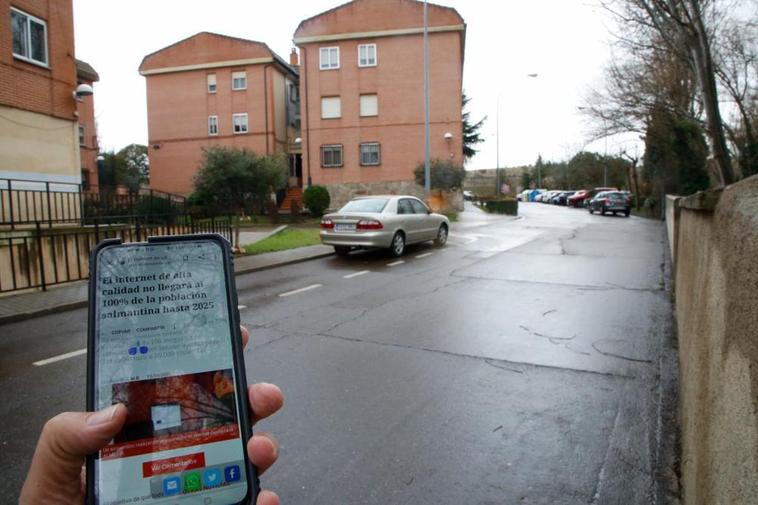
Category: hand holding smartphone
<point>164,340</point>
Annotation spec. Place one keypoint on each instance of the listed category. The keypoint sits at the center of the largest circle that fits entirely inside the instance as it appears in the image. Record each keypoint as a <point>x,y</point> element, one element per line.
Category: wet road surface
<point>519,364</point>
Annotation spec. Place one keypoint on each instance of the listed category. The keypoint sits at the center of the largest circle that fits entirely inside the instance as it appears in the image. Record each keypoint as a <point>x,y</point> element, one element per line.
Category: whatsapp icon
<point>192,482</point>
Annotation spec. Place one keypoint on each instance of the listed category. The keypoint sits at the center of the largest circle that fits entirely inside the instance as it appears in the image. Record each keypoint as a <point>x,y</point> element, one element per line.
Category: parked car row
<point>595,200</point>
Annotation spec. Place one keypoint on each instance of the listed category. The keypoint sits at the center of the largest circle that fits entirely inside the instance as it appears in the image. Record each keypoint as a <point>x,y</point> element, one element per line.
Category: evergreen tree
<point>675,155</point>
<point>471,133</point>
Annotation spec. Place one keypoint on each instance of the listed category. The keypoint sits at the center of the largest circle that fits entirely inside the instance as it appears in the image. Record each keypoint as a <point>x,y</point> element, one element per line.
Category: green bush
<point>316,199</point>
<point>502,206</point>
<point>238,181</point>
<point>155,206</point>
<point>444,174</point>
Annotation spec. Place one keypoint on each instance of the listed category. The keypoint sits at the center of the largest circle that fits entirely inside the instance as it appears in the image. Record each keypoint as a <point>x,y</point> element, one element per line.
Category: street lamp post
<point>605,156</point>
<point>498,189</point>
<point>605,149</point>
<point>427,140</point>
<point>497,149</point>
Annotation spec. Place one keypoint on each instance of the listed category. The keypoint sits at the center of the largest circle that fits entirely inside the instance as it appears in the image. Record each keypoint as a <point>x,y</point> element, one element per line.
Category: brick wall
<point>31,87</point>
<point>397,80</point>
<point>89,149</point>
<point>179,104</point>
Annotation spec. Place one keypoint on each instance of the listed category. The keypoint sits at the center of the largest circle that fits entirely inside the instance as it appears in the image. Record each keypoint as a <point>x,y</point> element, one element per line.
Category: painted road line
<point>240,307</point>
<point>424,255</point>
<point>60,357</point>
<point>356,274</point>
<point>395,263</point>
<point>301,290</point>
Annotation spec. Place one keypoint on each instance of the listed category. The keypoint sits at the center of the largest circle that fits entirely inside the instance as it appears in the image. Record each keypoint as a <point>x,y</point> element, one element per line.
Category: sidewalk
<point>73,295</point>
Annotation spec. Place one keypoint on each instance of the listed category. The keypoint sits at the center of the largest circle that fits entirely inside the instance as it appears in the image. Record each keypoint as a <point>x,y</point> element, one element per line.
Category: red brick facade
<point>180,104</point>
<point>31,87</point>
<point>88,144</point>
<point>395,27</point>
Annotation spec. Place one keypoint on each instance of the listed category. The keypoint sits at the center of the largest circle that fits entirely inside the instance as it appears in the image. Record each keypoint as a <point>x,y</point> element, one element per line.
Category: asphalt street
<point>526,362</point>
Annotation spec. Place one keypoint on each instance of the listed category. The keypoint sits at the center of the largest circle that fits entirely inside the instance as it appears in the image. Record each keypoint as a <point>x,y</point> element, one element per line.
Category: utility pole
<point>605,156</point>
<point>427,140</point>
<point>497,147</point>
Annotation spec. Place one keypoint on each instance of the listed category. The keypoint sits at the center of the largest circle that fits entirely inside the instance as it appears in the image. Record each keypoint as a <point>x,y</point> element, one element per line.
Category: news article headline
<point>152,294</point>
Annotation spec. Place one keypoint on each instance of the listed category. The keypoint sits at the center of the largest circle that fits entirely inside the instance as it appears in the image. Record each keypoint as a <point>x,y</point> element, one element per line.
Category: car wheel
<point>592,211</point>
<point>341,250</point>
<point>441,239</point>
<point>398,245</point>
<point>627,212</point>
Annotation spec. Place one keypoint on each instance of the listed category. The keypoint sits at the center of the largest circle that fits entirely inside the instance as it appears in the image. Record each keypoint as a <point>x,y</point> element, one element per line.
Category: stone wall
<point>441,201</point>
<point>716,289</point>
<point>672,224</point>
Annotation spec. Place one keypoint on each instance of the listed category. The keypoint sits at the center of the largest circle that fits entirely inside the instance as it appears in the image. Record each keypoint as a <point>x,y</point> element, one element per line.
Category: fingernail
<point>102,416</point>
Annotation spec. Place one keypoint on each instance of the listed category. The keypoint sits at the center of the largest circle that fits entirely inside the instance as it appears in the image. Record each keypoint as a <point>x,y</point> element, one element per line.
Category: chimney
<point>294,60</point>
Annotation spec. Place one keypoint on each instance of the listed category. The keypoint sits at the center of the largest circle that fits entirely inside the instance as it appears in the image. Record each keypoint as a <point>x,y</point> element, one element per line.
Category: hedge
<point>503,206</point>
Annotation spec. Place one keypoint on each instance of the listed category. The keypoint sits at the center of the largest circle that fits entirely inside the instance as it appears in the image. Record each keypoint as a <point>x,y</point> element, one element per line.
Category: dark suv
<point>611,201</point>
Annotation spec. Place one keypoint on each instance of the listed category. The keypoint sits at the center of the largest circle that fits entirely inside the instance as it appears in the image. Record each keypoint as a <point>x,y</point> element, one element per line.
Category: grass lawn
<point>289,238</point>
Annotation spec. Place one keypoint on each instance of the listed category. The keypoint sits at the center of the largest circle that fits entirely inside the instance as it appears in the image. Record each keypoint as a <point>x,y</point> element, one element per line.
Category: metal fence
<point>23,203</point>
<point>39,256</point>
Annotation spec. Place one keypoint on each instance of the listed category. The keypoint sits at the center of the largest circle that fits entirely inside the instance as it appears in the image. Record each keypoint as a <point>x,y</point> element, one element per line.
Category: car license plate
<point>344,227</point>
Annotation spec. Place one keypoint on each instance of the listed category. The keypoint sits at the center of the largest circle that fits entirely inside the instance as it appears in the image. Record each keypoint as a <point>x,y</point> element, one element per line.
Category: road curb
<point>65,307</point>
<point>23,316</point>
<point>282,264</point>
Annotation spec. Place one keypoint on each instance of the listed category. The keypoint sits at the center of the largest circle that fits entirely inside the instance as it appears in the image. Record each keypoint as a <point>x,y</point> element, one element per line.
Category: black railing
<point>39,256</point>
<point>26,202</point>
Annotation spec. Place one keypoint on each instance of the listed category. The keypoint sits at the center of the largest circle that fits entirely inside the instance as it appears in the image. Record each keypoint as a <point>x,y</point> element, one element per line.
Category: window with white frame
<point>331,107</point>
<point>81,134</point>
<point>239,80</point>
<point>29,37</point>
<point>329,58</point>
<point>211,83</point>
<point>367,55</point>
<point>239,122</point>
<point>369,105</point>
<point>370,154</point>
<point>331,155</point>
<point>212,125</point>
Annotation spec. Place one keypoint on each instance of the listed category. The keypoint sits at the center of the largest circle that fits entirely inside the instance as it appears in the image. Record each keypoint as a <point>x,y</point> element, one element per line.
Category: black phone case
<point>237,352</point>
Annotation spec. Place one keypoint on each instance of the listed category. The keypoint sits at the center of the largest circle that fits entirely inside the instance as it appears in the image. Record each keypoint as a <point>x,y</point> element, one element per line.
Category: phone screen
<point>163,348</point>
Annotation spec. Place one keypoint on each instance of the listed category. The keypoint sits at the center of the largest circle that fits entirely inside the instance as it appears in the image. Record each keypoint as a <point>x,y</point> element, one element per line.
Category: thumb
<point>66,440</point>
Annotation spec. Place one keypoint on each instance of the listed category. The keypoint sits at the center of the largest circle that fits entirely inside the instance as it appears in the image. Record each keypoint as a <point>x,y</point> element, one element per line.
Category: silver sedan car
<point>390,222</point>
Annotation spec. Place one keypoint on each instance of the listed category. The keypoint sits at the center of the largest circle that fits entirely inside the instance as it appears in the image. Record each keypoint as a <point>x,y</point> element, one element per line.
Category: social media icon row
<point>195,480</point>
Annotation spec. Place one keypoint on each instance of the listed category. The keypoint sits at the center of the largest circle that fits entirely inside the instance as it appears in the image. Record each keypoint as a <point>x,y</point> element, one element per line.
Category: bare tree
<point>736,57</point>
<point>633,160</point>
<point>682,31</point>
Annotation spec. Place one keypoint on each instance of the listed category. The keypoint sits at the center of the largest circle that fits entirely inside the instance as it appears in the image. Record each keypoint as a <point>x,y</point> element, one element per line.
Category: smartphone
<point>164,340</point>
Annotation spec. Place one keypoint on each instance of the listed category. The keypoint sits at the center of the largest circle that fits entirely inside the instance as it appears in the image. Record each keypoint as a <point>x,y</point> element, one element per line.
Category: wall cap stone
<point>702,200</point>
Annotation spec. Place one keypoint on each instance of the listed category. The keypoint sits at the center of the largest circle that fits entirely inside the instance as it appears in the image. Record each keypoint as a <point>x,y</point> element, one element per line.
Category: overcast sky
<point>565,42</point>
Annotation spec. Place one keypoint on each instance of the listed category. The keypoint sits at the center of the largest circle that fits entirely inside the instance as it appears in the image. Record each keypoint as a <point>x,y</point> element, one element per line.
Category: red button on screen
<point>172,465</point>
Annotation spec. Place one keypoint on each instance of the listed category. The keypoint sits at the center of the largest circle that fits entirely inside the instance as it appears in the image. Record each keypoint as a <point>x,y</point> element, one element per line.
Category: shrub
<point>317,200</point>
<point>502,206</point>
<point>444,174</point>
<point>238,181</point>
<point>155,206</point>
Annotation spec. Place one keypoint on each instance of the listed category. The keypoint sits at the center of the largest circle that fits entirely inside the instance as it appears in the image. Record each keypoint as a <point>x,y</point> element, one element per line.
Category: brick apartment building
<point>88,146</point>
<point>361,84</point>
<point>38,123</point>
<point>214,90</point>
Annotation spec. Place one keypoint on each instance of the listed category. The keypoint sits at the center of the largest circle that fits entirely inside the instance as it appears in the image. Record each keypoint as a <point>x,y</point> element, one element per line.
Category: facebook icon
<point>232,473</point>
